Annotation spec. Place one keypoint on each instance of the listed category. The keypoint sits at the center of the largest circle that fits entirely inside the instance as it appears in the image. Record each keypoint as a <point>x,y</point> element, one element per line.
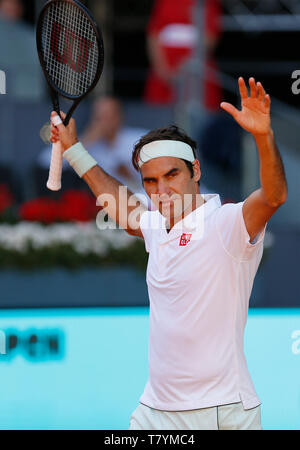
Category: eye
<point>149,181</point>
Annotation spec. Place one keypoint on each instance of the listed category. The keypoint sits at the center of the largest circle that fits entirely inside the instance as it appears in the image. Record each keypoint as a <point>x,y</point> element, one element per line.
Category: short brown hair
<point>172,133</point>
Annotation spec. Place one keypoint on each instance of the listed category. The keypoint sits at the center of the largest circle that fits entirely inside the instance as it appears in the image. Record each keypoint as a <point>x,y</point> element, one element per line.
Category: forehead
<point>160,166</point>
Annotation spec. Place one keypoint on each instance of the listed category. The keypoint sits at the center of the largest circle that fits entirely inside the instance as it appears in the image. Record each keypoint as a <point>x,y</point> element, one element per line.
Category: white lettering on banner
<point>2,343</point>
<point>2,83</point>
<point>296,343</point>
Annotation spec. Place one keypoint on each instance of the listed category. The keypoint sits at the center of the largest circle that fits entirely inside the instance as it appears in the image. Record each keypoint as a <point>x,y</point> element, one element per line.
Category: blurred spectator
<point>109,142</point>
<point>11,10</point>
<point>18,55</point>
<point>220,152</point>
<point>172,37</point>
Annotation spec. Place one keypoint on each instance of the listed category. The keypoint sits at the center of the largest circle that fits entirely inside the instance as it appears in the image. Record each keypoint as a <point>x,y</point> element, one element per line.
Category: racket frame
<point>55,90</point>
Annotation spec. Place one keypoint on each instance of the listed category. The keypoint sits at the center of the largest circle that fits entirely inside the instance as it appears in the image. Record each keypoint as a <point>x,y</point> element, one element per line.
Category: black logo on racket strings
<point>72,42</point>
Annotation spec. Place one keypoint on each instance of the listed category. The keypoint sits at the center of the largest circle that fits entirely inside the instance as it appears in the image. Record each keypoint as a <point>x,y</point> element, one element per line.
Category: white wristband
<point>79,159</point>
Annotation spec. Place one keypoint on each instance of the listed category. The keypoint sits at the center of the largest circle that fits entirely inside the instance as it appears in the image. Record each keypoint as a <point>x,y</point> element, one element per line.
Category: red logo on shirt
<point>185,239</point>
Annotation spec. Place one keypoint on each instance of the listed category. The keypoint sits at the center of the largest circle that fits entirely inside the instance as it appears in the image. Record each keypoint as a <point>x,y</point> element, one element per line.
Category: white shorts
<point>225,417</point>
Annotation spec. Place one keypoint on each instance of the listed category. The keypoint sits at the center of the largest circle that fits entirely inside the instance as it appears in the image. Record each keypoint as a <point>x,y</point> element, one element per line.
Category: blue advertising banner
<point>86,368</point>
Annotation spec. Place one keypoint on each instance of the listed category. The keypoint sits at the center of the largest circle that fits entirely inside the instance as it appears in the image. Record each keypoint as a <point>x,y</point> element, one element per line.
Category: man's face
<point>168,183</point>
<point>11,9</point>
<point>107,115</point>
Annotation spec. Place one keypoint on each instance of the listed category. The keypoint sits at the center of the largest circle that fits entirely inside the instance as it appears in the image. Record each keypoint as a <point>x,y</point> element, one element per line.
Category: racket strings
<point>70,48</point>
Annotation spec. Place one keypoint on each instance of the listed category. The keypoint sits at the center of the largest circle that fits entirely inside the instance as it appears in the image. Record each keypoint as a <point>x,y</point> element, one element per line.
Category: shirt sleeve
<point>233,233</point>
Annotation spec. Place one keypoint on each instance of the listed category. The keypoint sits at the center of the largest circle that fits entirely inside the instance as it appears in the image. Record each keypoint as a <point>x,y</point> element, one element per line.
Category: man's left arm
<point>254,117</point>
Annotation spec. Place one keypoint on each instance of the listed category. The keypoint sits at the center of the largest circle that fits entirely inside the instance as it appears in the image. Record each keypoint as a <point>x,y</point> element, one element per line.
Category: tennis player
<point>203,258</point>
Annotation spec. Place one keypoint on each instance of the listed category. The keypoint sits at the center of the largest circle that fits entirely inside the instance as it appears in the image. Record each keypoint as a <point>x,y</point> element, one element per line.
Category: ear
<point>197,170</point>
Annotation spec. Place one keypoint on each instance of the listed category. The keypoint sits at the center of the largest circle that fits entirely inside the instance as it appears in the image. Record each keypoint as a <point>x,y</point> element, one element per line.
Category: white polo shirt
<point>199,278</point>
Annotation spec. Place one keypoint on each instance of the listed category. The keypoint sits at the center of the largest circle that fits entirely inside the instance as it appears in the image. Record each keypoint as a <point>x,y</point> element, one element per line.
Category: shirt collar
<point>212,202</point>
<point>194,220</point>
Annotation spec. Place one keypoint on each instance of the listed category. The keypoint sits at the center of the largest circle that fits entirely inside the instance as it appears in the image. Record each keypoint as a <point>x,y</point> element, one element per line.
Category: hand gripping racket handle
<point>54,181</point>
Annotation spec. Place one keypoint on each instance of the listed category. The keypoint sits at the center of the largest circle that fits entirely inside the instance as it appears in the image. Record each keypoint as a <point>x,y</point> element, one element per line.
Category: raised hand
<point>255,114</point>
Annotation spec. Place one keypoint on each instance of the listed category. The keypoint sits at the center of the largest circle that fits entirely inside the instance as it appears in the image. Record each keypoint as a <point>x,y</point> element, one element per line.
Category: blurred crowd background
<point>167,61</point>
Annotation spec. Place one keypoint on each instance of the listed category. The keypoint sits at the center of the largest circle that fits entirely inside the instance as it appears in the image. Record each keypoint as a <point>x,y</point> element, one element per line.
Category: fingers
<point>262,96</point>
<point>54,134</point>
<point>267,101</point>
<point>257,91</point>
<point>56,119</point>
<point>253,88</point>
<point>261,92</point>
<point>56,126</point>
<point>66,135</point>
<point>230,109</point>
<point>243,88</point>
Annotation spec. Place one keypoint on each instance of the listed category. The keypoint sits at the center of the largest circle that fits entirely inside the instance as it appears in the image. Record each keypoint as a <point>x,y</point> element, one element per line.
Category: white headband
<point>156,149</point>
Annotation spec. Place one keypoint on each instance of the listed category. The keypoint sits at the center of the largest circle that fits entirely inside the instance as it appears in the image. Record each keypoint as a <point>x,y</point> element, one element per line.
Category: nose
<point>162,188</point>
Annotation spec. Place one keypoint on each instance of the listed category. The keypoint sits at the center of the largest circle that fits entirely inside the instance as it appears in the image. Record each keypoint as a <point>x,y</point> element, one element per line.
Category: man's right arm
<point>119,203</point>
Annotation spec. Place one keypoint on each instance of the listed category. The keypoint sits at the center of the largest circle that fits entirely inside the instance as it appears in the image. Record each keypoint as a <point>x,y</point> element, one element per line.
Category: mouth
<point>167,202</point>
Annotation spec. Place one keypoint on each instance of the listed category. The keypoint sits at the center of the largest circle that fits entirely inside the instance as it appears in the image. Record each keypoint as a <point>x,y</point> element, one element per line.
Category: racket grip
<point>54,181</point>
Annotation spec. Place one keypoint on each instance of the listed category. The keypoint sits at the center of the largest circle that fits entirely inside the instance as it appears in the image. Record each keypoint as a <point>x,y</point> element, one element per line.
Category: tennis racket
<point>71,53</point>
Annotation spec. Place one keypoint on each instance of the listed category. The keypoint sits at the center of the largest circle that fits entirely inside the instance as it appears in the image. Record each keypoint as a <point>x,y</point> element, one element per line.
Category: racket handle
<point>54,181</point>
